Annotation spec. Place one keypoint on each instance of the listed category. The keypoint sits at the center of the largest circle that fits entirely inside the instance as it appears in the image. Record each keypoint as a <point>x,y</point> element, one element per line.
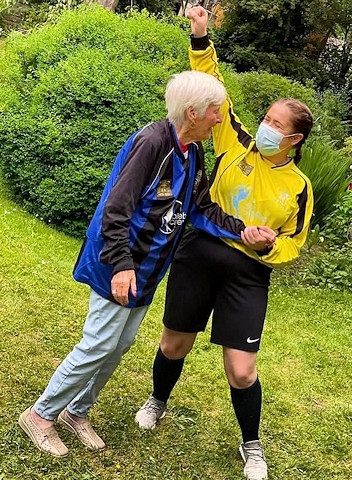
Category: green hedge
<point>260,89</point>
<point>71,95</point>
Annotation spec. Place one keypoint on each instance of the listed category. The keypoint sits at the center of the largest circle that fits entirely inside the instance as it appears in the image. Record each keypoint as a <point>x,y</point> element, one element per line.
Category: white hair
<point>192,89</point>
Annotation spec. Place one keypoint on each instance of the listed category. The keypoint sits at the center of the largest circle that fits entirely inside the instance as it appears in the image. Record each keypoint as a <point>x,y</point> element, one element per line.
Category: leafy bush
<point>328,170</point>
<point>71,95</point>
<point>261,89</point>
<point>334,116</point>
<point>338,225</point>
<point>326,259</point>
<point>241,100</point>
<point>321,266</point>
<point>329,268</point>
<point>330,265</point>
<point>154,6</point>
<point>347,150</point>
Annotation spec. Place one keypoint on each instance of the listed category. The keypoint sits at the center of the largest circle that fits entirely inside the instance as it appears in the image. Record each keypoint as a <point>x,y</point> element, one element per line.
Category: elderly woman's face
<point>202,126</point>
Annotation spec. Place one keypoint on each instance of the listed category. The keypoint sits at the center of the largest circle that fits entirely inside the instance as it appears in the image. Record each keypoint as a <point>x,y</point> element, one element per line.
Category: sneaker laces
<point>154,406</point>
<point>255,453</point>
<point>255,465</point>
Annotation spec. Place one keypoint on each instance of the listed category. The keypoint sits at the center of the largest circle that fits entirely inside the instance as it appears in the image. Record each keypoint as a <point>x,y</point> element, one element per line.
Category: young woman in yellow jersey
<point>256,180</point>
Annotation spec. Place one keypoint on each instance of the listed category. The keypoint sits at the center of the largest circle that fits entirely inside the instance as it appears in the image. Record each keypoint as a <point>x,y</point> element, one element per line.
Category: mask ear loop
<point>291,135</point>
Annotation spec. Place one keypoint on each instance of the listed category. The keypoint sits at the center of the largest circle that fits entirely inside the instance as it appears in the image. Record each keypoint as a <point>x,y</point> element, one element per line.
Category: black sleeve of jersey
<point>210,209</point>
<point>122,202</point>
<point>200,43</point>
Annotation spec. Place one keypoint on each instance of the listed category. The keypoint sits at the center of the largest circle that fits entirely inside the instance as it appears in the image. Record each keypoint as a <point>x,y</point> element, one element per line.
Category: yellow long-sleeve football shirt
<point>250,187</point>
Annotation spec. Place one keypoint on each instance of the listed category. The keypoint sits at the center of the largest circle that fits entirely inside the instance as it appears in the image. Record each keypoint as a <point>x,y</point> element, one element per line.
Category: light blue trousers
<point>108,333</point>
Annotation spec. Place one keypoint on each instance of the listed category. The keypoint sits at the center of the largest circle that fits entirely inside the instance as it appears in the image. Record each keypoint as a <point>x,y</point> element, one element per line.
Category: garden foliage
<point>71,93</point>
<point>260,89</point>
<point>331,265</point>
<point>329,262</point>
<point>337,230</point>
<point>325,260</point>
<point>328,170</point>
<point>306,40</point>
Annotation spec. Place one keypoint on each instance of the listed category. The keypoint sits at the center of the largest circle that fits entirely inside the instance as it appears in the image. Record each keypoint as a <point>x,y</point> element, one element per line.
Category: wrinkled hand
<point>199,21</point>
<point>121,284</point>
<point>258,238</point>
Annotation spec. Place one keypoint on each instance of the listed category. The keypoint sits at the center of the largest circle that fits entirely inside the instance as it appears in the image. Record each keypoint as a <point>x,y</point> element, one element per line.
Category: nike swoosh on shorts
<point>250,340</point>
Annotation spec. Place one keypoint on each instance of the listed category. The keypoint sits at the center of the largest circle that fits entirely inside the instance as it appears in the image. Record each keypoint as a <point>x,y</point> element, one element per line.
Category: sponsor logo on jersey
<point>245,167</point>
<point>164,189</point>
<point>173,218</point>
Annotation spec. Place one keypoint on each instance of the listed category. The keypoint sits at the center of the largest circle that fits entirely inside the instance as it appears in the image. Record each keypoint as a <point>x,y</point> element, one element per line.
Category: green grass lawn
<point>305,365</point>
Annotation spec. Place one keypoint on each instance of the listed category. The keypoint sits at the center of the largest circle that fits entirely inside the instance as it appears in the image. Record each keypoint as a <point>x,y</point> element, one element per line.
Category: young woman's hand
<point>199,21</point>
<point>258,238</point>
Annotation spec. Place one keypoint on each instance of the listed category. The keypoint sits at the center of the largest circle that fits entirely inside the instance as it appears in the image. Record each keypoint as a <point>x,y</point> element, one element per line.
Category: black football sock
<point>166,372</point>
<point>247,403</point>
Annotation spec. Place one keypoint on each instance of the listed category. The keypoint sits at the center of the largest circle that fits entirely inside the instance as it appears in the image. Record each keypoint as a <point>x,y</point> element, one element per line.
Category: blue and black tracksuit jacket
<point>152,190</point>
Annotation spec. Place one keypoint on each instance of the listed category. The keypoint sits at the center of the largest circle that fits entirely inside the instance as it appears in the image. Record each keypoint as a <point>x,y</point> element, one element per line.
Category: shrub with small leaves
<point>71,95</point>
<point>329,268</point>
<point>261,89</point>
<point>338,225</point>
<point>327,257</point>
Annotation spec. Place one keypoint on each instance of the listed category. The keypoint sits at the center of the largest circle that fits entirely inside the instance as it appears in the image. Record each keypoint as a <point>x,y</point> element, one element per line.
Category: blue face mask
<point>268,140</point>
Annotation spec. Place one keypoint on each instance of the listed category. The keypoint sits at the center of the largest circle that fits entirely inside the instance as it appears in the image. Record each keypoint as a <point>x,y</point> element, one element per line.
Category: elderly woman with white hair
<point>156,183</point>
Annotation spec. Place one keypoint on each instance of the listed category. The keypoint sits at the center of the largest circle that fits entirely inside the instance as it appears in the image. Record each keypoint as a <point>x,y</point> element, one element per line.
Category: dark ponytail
<point>298,155</point>
<point>302,122</point>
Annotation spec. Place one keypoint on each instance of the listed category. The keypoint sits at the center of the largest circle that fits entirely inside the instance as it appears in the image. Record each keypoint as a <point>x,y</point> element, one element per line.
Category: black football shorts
<point>206,276</point>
